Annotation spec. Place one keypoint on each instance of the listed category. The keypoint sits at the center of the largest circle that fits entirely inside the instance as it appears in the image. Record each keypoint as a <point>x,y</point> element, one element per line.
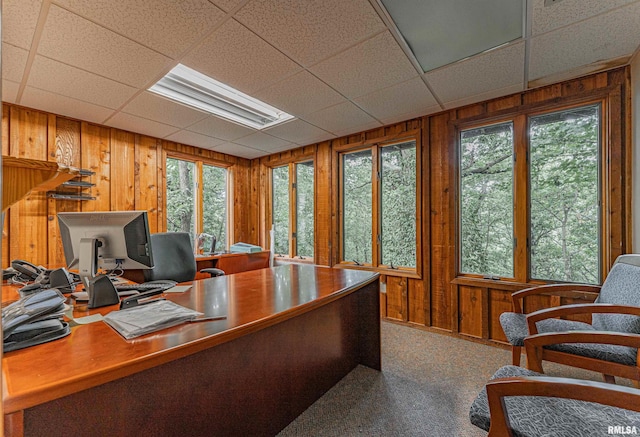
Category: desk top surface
<point>94,353</point>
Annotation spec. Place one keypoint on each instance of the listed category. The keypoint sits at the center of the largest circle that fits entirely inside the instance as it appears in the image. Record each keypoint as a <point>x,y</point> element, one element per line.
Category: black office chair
<point>173,258</point>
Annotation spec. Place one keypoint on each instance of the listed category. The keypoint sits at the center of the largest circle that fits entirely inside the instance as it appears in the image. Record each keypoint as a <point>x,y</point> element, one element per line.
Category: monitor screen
<point>120,238</point>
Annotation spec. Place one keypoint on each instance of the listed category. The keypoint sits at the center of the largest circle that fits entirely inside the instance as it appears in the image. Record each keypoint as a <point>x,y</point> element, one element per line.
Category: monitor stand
<point>99,288</point>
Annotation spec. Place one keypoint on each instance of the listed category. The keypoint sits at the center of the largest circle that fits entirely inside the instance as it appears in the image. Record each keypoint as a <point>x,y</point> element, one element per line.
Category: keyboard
<point>145,286</point>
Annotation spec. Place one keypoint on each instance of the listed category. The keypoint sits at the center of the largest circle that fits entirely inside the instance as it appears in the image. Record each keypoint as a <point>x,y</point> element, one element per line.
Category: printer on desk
<point>245,248</point>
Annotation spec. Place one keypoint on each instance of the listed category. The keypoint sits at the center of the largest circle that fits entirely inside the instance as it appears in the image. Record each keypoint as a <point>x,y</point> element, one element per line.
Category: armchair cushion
<point>515,327</point>
<point>622,287</point>
<point>538,416</point>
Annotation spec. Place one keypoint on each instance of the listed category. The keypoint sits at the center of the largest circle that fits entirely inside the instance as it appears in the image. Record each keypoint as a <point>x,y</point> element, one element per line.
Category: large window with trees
<point>196,198</point>
<point>531,186</point>
<point>378,205</point>
<point>292,209</point>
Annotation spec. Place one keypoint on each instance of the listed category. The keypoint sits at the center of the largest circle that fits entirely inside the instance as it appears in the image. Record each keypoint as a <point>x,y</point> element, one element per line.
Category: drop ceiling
<point>339,67</point>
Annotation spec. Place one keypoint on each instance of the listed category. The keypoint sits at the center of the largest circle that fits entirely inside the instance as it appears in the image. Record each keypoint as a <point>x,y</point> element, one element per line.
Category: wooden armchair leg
<point>516,351</point>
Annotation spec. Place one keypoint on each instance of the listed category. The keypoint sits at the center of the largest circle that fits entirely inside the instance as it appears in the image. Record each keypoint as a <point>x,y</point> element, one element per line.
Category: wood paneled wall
<point>441,298</point>
<point>128,176</point>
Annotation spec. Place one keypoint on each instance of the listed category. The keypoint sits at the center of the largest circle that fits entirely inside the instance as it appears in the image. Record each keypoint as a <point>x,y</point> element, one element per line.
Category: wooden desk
<point>291,333</point>
<point>234,262</point>
<point>229,262</point>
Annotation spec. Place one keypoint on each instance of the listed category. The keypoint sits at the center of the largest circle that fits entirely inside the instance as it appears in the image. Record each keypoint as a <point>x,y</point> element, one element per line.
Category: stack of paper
<point>140,320</point>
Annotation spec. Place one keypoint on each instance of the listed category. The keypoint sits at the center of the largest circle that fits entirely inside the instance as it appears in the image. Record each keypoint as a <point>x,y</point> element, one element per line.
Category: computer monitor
<point>105,240</point>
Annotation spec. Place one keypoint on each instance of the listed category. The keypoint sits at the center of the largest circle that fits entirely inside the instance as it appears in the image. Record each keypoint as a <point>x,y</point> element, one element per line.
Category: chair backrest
<point>622,287</point>
<point>172,257</point>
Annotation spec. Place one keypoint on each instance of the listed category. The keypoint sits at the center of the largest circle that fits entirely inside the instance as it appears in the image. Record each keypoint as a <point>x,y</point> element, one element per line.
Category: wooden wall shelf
<point>20,176</point>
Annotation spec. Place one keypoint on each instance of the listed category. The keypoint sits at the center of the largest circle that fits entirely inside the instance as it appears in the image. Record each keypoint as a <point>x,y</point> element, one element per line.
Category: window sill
<point>383,271</point>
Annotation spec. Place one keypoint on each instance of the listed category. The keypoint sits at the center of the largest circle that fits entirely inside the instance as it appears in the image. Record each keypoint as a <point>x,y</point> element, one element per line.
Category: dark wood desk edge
<point>89,380</point>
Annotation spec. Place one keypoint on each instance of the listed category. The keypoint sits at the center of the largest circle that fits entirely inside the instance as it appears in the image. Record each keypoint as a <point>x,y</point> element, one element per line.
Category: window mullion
<point>198,198</point>
<point>293,222</point>
<point>376,209</point>
<point>521,200</point>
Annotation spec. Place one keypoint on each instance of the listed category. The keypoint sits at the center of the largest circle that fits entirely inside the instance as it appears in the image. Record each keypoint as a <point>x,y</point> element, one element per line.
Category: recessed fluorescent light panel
<point>441,32</point>
<point>191,88</point>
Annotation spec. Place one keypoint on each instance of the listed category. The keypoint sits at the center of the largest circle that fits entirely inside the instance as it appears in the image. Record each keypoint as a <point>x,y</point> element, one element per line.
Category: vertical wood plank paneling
<point>441,216</point>
<point>241,190</point>
<point>416,302</point>
<point>499,302</point>
<point>28,136</point>
<point>324,205</point>
<point>146,179</point>
<point>5,217</point>
<point>123,174</point>
<point>96,156</point>
<point>397,298</point>
<point>64,146</point>
<point>471,311</point>
<point>258,233</point>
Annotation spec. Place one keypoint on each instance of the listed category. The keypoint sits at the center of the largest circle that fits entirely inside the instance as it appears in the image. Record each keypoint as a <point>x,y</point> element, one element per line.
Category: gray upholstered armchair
<point>173,258</point>
<point>520,402</point>
<point>602,345</point>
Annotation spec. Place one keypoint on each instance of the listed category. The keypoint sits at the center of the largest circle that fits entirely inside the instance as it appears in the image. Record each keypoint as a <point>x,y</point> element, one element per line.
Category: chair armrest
<point>213,272</point>
<point>591,391</point>
<point>602,337</point>
<point>578,308</point>
<point>579,291</point>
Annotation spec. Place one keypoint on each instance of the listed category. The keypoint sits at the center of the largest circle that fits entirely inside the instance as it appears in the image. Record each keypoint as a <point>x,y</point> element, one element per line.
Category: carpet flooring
<point>427,384</point>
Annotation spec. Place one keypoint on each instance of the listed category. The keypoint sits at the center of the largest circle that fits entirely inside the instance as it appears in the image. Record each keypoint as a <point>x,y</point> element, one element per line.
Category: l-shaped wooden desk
<point>291,333</point>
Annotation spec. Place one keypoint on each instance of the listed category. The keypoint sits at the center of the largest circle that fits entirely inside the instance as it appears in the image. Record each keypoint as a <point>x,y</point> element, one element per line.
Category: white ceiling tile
<point>216,127</point>
<point>140,125</point>
<point>262,141</point>
<point>167,26</point>
<point>408,97</point>
<point>565,12</point>
<point>19,21</point>
<point>358,128</point>
<point>237,57</point>
<point>68,81</point>
<point>194,139</point>
<point>14,60</point>
<point>226,5</point>
<point>481,74</point>
<point>311,30</point>
<point>300,94</point>
<point>9,91</point>
<point>411,115</point>
<point>240,151</point>
<point>345,116</point>
<point>371,65</point>
<point>604,37</point>
<point>299,132</point>
<point>67,106</point>
<point>492,94</point>
<point>153,107</point>
<point>76,41</point>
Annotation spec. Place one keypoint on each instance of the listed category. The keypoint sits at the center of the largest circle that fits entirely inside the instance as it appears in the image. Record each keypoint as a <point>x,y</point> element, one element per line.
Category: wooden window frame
<point>521,187</point>
<point>198,195</point>
<point>375,145</point>
<point>293,210</point>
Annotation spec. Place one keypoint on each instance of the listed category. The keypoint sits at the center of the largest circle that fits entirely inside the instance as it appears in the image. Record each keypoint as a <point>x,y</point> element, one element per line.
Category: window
<point>292,209</point>
<point>196,199</point>
<point>379,205</point>
<point>486,199</point>
<point>545,206</point>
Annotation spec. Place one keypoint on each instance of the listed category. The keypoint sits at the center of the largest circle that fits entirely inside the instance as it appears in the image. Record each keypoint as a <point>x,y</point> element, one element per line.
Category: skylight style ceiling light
<point>191,88</point>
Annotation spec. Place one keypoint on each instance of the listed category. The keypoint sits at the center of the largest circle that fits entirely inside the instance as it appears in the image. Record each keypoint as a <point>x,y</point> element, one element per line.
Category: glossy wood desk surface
<point>94,353</point>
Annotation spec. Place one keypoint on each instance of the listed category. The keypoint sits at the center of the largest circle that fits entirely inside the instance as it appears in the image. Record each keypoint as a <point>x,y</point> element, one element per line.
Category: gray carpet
<point>427,384</point>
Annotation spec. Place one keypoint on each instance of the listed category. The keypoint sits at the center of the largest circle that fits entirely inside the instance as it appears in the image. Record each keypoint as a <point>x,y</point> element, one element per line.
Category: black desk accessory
<point>140,299</point>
